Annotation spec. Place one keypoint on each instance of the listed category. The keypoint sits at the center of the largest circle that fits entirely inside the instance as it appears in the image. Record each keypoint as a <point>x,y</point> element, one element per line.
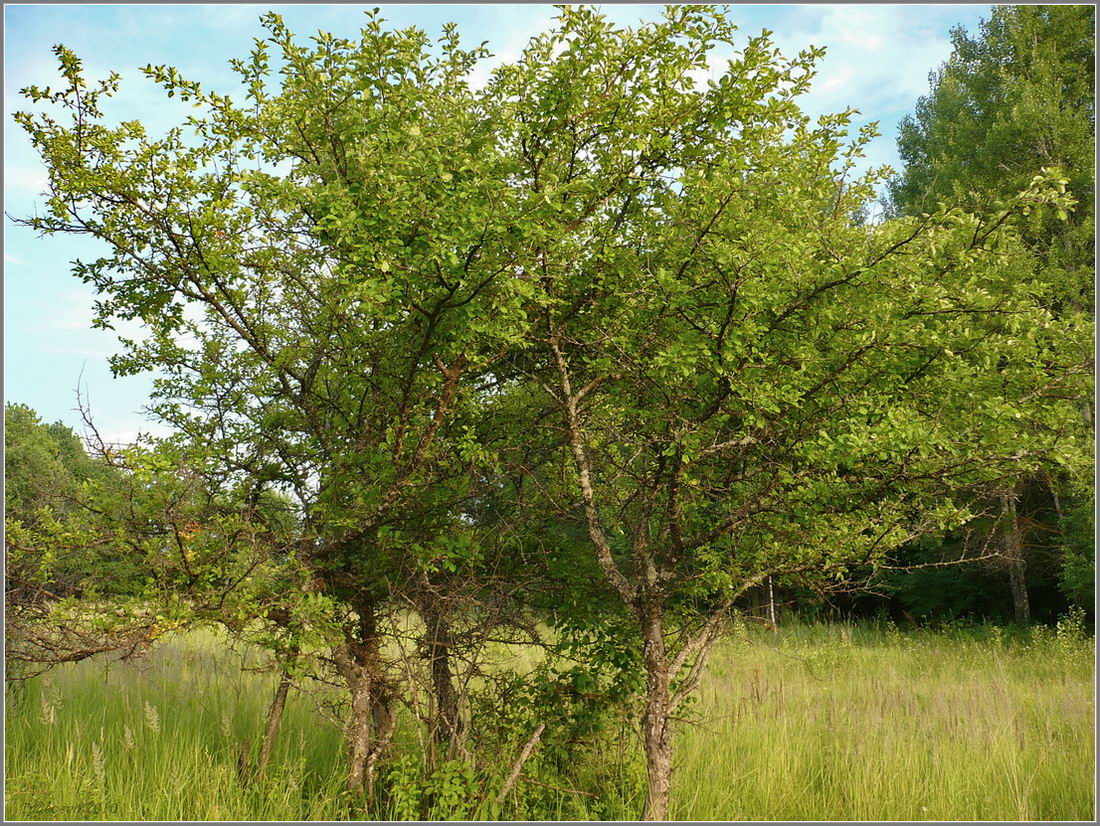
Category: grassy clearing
<point>823,722</point>
<point>844,723</point>
<point>160,740</point>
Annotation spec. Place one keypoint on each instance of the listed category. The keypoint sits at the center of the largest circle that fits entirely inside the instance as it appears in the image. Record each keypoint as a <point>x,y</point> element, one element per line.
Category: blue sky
<point>878,61</point>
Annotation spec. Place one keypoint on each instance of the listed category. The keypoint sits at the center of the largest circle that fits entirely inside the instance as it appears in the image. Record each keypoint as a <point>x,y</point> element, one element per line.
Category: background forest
<point>595,443</point>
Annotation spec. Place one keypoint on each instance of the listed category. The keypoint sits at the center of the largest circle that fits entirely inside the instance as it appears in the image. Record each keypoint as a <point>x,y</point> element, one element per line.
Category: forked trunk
<point>656,722</point>
<point>372,716</point>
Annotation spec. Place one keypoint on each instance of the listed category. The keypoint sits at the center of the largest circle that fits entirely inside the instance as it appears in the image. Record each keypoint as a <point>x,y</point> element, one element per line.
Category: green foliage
<point>1078,574</point>
<point>447,793</point>
<point>1016,97</point>
<point>752,383</point>
<point>147,548</point>
<point>44,466</point>
<point>335,306</point>
<point>326,271</point>
<point>53,534</point>
<point>934,587</point>
<point>368,289</point>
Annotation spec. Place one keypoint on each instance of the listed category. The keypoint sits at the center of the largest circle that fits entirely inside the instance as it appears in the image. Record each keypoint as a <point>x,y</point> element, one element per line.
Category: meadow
<point>810,722</point>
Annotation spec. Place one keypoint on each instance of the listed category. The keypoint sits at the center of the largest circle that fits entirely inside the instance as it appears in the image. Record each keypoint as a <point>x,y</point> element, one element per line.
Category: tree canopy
<point>1017,95</point>
<point>420,312</point>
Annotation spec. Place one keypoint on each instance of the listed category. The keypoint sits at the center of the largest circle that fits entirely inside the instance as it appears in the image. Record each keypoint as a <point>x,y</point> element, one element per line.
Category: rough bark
<point>274,719</point>
<point>358,731</point>
<point>1014,558</point>
<point>384,718</point>
<point>372,716</point>
<point>656,722</point>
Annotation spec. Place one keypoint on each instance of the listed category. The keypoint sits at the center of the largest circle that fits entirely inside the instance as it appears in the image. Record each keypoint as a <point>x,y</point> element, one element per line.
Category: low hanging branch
<point>518,766</point>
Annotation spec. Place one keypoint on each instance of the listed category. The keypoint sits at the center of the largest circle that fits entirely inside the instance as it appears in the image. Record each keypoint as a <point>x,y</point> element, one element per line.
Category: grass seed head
<point>49,711</point>
<point>152,718</point>
<point>97,762</point>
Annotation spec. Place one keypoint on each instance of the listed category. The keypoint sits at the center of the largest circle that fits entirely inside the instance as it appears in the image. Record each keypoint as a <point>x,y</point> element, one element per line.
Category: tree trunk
<point>771,606</point>
<point>384,718</point>
<point>1018,582</point>
<point>372,718</point>
<point>757,608</point>
<point>359,723</point>
<point>274,719</point>
<point>656,722</point>
<point>1014,557</point>
<point>446,724</point>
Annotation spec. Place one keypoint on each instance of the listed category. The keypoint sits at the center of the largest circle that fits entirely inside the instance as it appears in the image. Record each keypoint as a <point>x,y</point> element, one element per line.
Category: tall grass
<point>169,732</point>
<point>824,722</point>
<point>850,723</point>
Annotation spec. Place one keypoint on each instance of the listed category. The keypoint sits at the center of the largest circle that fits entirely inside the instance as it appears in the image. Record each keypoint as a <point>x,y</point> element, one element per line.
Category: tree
<point>142,547</point>
<point>347,276</point>
<point>1015,98</point>
<point>48,473</point>
<point>110,549</point>
<point>44,464</point>
<point>318,329</point>
<point>1018,97</point>
<point>750,382</point>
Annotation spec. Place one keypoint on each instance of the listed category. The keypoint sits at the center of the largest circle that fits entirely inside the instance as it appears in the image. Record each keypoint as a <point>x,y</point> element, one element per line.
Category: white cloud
<point>877,61</point>
<point>835,81</point>
<point>511,49</point>
<point>128,436</point>
<point>27,179</point>
<point>877,57</point>
<point>860,26</point>
<point>69,330</point>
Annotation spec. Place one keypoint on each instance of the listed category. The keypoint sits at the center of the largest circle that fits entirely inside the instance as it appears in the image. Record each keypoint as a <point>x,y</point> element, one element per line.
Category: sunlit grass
<point>813,723</point>
<point>837,723</point>
<point>170,732</point>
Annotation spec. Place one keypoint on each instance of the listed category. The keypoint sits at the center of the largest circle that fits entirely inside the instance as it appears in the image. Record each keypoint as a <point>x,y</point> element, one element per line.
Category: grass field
<point>818,722</point>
